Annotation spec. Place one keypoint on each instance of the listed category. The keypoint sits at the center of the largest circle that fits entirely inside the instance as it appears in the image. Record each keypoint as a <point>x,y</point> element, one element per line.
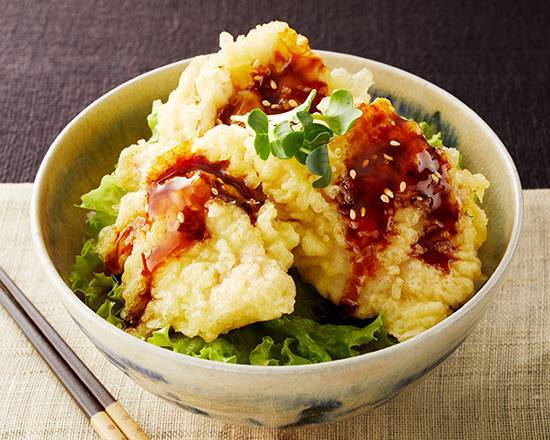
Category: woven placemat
<point>497,385</point>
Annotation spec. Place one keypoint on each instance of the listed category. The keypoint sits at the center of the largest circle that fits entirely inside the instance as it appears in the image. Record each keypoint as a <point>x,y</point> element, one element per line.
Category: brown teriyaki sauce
<point>180,195</point>
<point>279,88</point>
<point>390,165</point>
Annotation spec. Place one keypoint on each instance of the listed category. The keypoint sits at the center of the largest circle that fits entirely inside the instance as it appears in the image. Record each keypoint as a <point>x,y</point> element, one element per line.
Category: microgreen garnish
<point>341,113</point>
<point>304,135</point>
<point>257,120</point>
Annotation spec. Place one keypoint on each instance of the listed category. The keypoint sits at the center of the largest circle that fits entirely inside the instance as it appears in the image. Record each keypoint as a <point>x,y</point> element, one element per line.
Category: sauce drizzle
<point>390,166</point>
<point>114,262</point>
<point>179,196</point>
<point>279,89</point>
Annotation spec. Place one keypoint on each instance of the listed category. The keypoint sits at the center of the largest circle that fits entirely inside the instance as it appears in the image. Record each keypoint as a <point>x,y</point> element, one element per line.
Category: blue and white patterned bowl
<point>274,396</point>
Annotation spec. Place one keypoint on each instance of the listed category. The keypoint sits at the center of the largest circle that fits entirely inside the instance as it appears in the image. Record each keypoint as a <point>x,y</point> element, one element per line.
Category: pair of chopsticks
<point>108,417</point>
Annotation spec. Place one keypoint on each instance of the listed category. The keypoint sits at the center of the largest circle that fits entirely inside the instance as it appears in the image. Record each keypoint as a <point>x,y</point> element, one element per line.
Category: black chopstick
<point>26,314</point>
<point>81,395</point>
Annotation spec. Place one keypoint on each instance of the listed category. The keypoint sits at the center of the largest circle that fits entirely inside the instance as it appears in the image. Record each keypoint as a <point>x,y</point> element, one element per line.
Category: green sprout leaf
<point>292,143</point>
<point>292,115</point>
<point>257,120</point>
<point>305,118</point>
<point>324,180</point>
<point>261,145</point>
<point>276,147</point>
<point>317,135</point>
<point>301,157</point>
<point>297,134</point>
<point>318,163</point>
<point>341,114</point>
<point>286,142</point>
<point>282,130</point>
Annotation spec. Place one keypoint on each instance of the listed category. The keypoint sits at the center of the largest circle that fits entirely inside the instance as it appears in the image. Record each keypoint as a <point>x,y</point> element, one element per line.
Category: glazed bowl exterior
<point>274,396</point>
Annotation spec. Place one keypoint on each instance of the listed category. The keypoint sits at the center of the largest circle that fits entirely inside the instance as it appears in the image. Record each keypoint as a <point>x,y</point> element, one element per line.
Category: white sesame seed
<point>181,217</point>
<point>437,174</point>
<point>388,192</point>
<point>388,157</point>
<point>392,122</point>
<point>292,103</point>
<point>275,106</point>
<point>435,178</point>
<point>352,173</point>
<point>394,143</point>
<point>352,214</point>
<point>257,78</point>
<point>266,103</point>
<point>365,163</point>
<point>273,84</point>
<point>402,186</point>
<point>256,63</point>
<point>385,198</point>
<point>363,211</point>
<point>214,191</point>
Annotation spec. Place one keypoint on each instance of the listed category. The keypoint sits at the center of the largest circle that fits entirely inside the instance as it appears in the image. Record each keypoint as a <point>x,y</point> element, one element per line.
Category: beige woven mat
<point>497,385</point>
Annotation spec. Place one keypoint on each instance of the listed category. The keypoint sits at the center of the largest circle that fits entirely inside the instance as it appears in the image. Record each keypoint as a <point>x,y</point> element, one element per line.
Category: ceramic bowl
<point>275,396</point>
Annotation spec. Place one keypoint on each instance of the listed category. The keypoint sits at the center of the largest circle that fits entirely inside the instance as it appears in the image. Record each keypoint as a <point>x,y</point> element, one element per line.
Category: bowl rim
<point>62,289</point>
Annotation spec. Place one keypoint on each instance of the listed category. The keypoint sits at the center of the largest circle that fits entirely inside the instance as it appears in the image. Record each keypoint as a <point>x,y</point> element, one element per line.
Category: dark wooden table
<point>57,57</point>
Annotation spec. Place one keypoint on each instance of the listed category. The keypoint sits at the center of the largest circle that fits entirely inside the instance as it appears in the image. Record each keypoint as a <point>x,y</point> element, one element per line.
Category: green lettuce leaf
<point>294,339</point>
<point>104,199</point>
<point>289,357</point>
<point>109,311</point>
<point>99,291</point>
<point>96,221</point>
<point>323,342</point>
<point>85,265</point>
<point>266,352</point>
<point>218,350</point>
<point>433,136</point>
<point>303,331</point>
<point>153,118</point>
<point>112,306</point>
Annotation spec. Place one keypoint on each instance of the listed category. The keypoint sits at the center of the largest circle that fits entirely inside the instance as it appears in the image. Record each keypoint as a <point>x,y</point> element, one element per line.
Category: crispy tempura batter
<point>374,241</point>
